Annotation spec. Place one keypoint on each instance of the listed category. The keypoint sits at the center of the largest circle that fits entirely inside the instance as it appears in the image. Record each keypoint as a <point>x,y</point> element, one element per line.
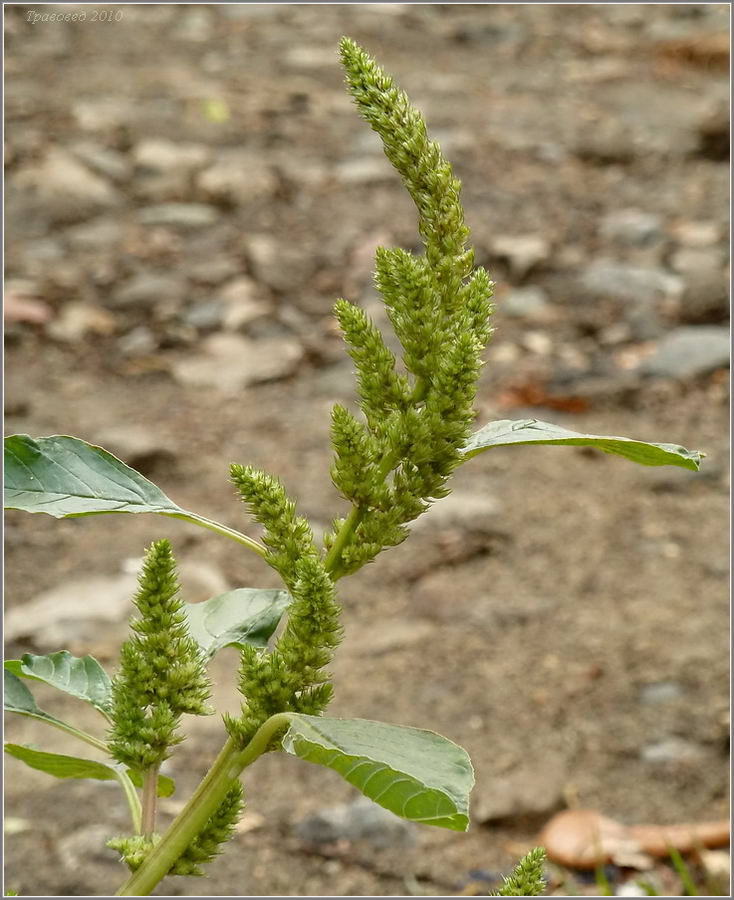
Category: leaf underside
<point>82,677</point>
<point>18,699</point>
<point>416,774</point>
<point>506,432</point>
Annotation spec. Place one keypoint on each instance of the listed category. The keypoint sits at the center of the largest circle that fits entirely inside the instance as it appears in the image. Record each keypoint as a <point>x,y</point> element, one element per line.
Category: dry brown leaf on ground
<point>584,838</point>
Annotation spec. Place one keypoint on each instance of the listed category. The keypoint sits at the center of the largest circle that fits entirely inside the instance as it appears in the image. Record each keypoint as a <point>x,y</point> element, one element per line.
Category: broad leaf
<point>62,766</point>
<point>82,677</point>
<point>530,431</point>
<point>18,699</point>
<point>243,616</point>
<point>66,477</point>
<point>416,774</point>
<point>63,476</point>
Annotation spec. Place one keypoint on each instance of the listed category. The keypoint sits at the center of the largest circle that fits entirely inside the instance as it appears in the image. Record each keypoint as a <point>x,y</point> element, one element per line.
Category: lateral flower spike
<point>162,670</point>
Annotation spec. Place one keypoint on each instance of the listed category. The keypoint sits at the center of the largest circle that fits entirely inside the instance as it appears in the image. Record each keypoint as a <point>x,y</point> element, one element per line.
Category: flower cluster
<point>393,465</point>
<point>162,670</point>
<point>292,677</point>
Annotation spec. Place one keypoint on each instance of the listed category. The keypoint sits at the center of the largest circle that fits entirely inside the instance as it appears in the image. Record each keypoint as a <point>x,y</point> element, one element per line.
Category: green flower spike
<point>162,670</point>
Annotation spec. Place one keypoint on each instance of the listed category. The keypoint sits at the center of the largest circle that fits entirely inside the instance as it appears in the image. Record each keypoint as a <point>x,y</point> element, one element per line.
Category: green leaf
<point>62,766</point>
<point>65,477</point>
<point>530,431</point>
<point>243,616</point>
<point>18,699</point>
<point>82,677</point>
<point>166,786</point>
<point>416,774</point>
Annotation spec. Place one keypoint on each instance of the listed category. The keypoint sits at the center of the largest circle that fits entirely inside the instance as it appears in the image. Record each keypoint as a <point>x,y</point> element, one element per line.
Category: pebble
<point>360,820</point>
<point>613,280</point>
<point>660,692</point>
<point>199,579</point>
<point>69,615</point>
<point>525,793</point>
<point>212,272</point>
<point>522,252</point>
<point>146,289</point>
<point>688,352</point>
<point>78,319</point>
<point>108,163</point>
<point>135,445</point>
<point>694,263</point>
<point>471,511</point>
<point>700,233</point>
<point>231,362</point>
<point>242,303</point>
<point>179,215</point>
<point>363,170</point>
<point>387,636</point>
<point>631,226</point>
<point>671,750</point>
<point>529,303</point>
<point>205,315</point>
<point>63,189</point>
<point>139,340</point>
<point>237,178</point>
<point>95,234</point>
<point>88,843</point>
<point>160,155</point>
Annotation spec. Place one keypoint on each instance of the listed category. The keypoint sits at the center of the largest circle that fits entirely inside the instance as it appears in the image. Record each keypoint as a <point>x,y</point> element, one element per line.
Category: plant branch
<point>201,806</point>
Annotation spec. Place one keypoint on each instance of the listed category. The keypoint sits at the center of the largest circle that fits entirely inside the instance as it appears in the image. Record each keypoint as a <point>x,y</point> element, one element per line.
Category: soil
<point>535,624</point>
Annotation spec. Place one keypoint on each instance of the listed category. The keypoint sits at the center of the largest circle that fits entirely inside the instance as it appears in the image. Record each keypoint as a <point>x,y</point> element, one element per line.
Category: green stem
<point>150,797</point>
<point>133,801</point>
<point>200,808</point>
<point>218,528</point>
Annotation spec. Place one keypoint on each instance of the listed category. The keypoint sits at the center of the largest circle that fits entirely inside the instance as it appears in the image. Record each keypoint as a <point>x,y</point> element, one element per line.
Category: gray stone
<point>672,750</point>
<point>533,792</point>
<point>146,289</point>
<point>135,445</point>
<point>69,615</point>
<point>95,234</point>
<point>78,319</point>
<point>160,155</point>
<point>108,163</point>
<point>231,362</point>
<point>139,340</point>
<point>613,280</point>
<point>363,170</point>
<point>63,189</point>
<point>631,226</point>
<point>660,692</point>
<point>179,215</point>
<point>529,303</point>
<point>522,252</point>
<point>361,820</point>
<point>470,511</point>
<point>700,233</point>
<point>387,636</point>
<point>688,352</point>
<point>85,844</point>
<point>237,178</point>
<point>206,315</point>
